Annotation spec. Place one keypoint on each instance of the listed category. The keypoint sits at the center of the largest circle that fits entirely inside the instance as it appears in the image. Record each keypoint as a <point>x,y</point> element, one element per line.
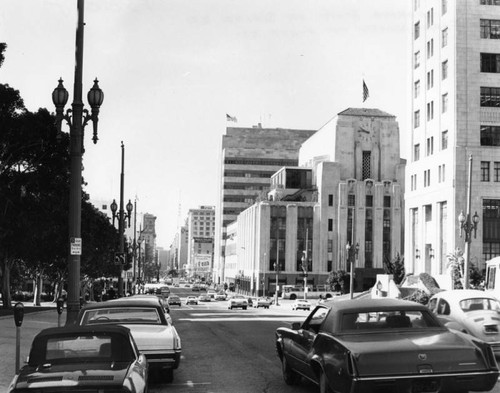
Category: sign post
<point>18,319</point>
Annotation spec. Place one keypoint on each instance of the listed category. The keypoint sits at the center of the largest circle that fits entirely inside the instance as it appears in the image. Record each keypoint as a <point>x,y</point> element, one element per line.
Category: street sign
<point>76,246</point>
<point>119,258</point>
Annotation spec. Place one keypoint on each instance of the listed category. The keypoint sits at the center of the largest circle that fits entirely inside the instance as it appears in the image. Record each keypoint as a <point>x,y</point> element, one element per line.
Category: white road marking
<point>277,318</point>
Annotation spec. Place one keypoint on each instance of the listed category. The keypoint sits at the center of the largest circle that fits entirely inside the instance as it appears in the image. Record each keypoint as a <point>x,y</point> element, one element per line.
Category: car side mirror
<point>296,325</point>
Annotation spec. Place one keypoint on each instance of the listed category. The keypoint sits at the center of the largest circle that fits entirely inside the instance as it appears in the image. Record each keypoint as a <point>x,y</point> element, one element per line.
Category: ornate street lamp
<point>122,217</point>
<point>467,226</point>
<point>352,253</point>
<point>304,266</point>
<point>77,118</point>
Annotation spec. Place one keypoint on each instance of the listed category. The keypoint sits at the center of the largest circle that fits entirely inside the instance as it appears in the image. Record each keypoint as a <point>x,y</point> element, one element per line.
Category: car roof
<point>347,305</point>
<point>76,329</point>
<point>460,294</point>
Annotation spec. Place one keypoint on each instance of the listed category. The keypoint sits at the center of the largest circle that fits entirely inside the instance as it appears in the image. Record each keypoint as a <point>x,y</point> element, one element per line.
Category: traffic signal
<point>120,258</point>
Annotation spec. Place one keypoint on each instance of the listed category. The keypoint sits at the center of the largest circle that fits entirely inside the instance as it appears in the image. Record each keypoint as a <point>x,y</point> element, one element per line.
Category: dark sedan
<point>83,359</point>
<point>383,345</point>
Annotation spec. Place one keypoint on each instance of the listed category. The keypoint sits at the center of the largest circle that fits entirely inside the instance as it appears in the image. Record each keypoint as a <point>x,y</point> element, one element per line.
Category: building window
<point>416,119</point>
<point>441,173</point>
<point>417,30</point>
<point>366,164</point>
<point>416,152</point>
<point>413,182</point>
<point>491,228</point>
<point>369,201</point>
<point>490,62</point>
<point>444,37</point>
<point>485,171</point>
<point>430,48</point>
<point>417,88</point>
<point>430,111</point>
<point>330,199</point>
<point>490,2</point>
<point>444,7</point>
<point>416,59</point>
<point>430,17</point>
<point>490,28</point>
<point>490,135</point>
<point>444,140</point>
<point>369,237</point>
<point>387,201</point>
<point>444,103</point>
<point>427,178</point>
<point>330,224</point>
<point>444,70</point>
<point>490,96</point>
<point>496,171</point>
<point>416,5</point>
<point>430,79</point>
<point>430,146</point>
<point>351,200</point>
<point>330,245</point>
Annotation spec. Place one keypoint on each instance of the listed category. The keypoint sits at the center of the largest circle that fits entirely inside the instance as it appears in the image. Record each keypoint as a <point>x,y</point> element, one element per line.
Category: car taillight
<point>177,343</point>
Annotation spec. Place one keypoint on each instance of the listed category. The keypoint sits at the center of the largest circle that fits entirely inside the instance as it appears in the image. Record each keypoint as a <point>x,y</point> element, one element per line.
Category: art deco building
<point>348,189</point>
<point>455,116</point>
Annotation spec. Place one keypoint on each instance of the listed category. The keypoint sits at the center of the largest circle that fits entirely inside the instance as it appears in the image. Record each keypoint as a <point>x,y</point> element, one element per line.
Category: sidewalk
<point>33,322</point>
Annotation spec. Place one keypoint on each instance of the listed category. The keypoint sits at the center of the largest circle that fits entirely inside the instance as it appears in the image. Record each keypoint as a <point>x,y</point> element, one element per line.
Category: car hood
<point>153,337</point>
<point>102,374</point>
<point>401,353</point>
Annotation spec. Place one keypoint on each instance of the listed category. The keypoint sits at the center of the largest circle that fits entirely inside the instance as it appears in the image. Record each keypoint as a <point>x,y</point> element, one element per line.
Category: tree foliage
<point>396,267</point>
<point>339,281</point>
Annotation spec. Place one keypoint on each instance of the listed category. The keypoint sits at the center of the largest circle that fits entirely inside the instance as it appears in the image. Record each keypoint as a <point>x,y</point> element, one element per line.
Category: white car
<point>301,304</point>
<point>192,300</point>
<point>237,301</point>
<point>155,337</point>
<point>470,311</point>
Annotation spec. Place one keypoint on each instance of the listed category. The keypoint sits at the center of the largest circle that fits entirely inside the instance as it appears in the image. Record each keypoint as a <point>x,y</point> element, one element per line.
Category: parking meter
<point>18,314</point>
<point>60,305</point>
<point>18,319</point>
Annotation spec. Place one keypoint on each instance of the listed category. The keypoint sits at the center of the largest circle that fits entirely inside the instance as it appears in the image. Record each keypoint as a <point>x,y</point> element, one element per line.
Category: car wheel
<point>290,376</point>
<point>323,384</point>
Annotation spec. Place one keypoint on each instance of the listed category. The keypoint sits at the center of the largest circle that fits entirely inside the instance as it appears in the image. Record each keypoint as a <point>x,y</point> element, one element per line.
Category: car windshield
<point>479,304</point>
<point>81,349</point>
<point>375,320</point>
<point>144,315</point>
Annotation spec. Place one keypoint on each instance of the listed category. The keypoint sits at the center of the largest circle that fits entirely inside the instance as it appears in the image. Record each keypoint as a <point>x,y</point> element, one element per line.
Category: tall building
<point>249,157</point>
<point>148,235</point>
<point>178,251</point>
<point>348,190</point>
<point>201,229</point>
<point>455,116</point>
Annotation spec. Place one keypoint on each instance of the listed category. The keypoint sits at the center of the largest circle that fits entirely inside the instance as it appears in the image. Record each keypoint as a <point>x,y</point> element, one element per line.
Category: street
<point>223,350</point>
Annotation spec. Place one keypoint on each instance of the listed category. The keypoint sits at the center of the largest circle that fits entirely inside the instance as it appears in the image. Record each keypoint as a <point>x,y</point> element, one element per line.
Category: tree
<point>396,267</point>
<point>339,281</point>
<point>456,266</point>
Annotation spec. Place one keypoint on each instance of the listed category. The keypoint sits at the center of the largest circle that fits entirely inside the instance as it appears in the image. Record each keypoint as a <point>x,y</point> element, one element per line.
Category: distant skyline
<point>171,70</point>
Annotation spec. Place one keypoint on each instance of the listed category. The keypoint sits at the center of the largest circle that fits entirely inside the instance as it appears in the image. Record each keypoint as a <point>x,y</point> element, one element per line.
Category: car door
<point>303,341</point>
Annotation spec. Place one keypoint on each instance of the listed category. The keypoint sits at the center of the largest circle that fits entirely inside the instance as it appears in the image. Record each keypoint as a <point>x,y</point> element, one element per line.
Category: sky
<point>171,70</point>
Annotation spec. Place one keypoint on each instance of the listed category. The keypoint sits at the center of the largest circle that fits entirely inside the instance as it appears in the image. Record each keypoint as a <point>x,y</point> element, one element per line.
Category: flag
<point>366,93</point>
<point>231,118</point>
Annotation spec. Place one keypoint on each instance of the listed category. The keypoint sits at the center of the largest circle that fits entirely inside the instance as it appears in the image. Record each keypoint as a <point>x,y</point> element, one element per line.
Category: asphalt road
<point>224,351</point>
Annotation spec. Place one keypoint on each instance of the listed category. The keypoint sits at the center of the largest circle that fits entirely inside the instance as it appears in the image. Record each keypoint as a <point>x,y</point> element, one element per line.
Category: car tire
<point>289,376</point>
<point>323,383</point>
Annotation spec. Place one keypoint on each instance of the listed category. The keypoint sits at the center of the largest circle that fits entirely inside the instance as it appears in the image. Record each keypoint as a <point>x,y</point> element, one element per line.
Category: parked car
<point>263,302</point>
<point>192,300</point>
<point>156,338</point>
<point>301,304</point>
<point>237,301</point>
<point>77,359</point>
<point>470,311</point>
<point>163,302</point>
<point>195,287</point>
<point>211,293</point>
<point>174,300</point>
<point>383,345</point>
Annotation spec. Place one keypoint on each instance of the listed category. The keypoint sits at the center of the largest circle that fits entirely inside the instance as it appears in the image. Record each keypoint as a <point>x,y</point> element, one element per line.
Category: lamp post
<point>467,225</point>
<point>352,253</point>
<point>277,270</point>
<point>304,270</point>
<point>121,220</point>
<point>77,118</point>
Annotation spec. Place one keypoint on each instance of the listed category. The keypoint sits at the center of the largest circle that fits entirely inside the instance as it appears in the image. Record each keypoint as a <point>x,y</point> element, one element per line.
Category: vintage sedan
<point>237,301</point>
<point>156,338</point>
<point>470,311</point>
<point>83,359</point>
<point>301,304</point>
<point>383,345</point>
<point>263,302</point>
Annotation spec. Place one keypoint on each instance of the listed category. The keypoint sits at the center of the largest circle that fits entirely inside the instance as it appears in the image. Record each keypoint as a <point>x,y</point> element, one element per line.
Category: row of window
<point>260,161</point>
<point>427,177</point>
<point>430,47</point>
<point>430,146</point>
<point>486,171</point>
<point>489,29</point>
<point>430,110</point>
